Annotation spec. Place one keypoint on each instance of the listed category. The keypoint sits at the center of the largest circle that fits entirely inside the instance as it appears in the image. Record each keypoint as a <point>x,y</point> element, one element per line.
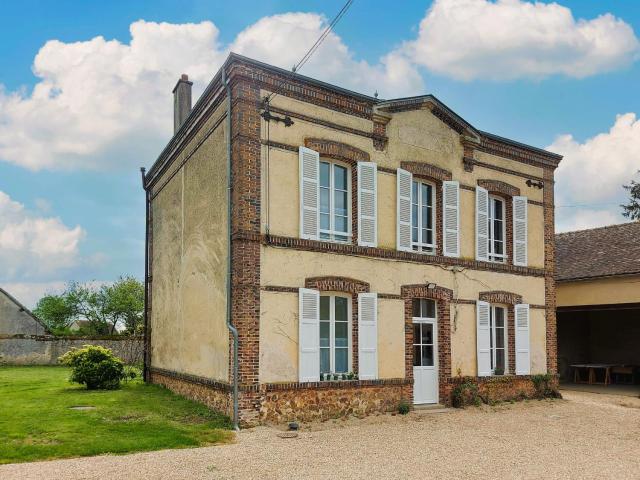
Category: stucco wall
<point>289,268</point>
<point>602,291</point>
<point>45,349</point>
<point>15,320</point>
<point>189,215</point>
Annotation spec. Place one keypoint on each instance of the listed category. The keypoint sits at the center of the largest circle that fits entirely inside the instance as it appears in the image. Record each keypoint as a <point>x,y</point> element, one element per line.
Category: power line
<point>312,50</point>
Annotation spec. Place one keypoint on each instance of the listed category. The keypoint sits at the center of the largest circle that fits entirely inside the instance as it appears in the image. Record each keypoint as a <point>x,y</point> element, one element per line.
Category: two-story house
<point>325,252</point>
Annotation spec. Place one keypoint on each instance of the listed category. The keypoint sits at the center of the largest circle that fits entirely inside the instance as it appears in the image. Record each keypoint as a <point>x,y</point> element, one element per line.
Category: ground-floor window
<point>335,333</point>
<point>424,316</point>
<point>498,339</point>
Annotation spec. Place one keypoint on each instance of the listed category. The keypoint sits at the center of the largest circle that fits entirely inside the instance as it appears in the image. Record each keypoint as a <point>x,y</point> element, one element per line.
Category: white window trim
<point>331,232</point>
<point>426,248</point>
<point>332,331</point>
<point>492,326</point>
<point>495,257</point>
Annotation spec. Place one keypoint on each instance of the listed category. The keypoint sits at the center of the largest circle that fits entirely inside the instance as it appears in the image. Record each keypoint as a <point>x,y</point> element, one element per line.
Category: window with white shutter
<point>482,224</point>
<point>520,231</point>
<point>522,321</point>
<point>451,218</point>
<point>309,335</point>
<point>367,336</point>
<point>367,204</point>
<point>309,193</point>
<point>404,185</point>
<point>483,338</point>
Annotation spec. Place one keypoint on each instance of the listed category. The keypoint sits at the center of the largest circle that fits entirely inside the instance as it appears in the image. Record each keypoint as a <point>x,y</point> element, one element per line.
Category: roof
<point>22,308</point>
<point>598,252</point>
<point>416,101</point>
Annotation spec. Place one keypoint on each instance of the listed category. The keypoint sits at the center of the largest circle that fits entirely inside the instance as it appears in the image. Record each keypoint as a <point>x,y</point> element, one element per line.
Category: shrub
<point>465,394</point>
<point>94,366</point>
<point>543,383</point>
<point>403,407</point>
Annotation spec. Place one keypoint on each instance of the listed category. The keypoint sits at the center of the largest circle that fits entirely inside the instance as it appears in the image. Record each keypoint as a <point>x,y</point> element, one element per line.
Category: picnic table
<point>591,368</point>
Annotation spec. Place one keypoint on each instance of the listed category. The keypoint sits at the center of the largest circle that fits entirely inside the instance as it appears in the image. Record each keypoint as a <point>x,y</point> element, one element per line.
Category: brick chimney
<point>181,102</point>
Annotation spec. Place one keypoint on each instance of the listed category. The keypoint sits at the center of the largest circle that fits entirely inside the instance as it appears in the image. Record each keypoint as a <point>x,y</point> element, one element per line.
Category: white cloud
<point>508,39</point>
<point>28,293</point>
<point>592,173</point>
<point>31,246</point>
<point>104,104</point>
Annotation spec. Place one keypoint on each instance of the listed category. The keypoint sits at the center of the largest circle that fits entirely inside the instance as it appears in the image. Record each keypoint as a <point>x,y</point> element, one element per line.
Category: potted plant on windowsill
<point>499,371</point>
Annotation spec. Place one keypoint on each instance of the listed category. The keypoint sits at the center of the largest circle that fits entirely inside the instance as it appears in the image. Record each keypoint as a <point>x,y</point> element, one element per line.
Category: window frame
<point>492,329</point>
<point>491,255</point>
<point>425,320</point>
<point>420,247</point>
<point>332,233</point>
<point>332,338</point>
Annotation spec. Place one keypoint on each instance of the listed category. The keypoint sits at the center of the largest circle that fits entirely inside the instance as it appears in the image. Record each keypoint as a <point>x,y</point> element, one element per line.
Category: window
<point>423,217</point>
<point>335,337</point>
<point>496,229</point>
<point>424,315</point>
<point>498,340</point>
<point>335,202</point>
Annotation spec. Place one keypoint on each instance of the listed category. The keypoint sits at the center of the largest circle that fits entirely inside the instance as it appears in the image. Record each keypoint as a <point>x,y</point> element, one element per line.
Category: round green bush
<point>94,366</point>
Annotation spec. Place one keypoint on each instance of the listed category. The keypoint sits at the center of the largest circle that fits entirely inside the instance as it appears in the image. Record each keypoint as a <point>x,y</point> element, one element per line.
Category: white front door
<point>425,360</point>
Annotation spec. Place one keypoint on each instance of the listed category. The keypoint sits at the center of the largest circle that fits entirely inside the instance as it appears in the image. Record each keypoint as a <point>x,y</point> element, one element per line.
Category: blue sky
<point>79,115</point>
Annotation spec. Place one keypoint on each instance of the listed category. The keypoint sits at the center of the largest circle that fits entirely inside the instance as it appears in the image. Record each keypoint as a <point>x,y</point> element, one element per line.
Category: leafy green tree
<point>632,209</point>
<point>56,313</point>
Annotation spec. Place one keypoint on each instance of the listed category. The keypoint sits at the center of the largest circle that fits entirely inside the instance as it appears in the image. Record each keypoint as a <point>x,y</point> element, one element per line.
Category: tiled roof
<point>598,252</point>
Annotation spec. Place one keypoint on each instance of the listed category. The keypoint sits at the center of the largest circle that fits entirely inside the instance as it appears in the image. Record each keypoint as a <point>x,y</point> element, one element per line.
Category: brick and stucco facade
<point>189,348</point>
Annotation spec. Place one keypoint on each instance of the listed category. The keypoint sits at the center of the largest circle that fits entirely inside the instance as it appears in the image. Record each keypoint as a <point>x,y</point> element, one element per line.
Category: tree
<point>632,209</point>
<point>105,308</point>
<point>56,313</point>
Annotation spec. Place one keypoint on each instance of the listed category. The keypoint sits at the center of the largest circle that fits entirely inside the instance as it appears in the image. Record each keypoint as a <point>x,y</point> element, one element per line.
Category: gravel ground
<point>583,436</point>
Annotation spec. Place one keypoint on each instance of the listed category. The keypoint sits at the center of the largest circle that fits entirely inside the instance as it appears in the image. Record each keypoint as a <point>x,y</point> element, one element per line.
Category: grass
<point>36,422</point>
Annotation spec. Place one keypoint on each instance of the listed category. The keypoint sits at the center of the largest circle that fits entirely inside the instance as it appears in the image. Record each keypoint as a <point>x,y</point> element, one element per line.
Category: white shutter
<point>309,335</point>
<point>483,338</point>
<point>405,180</point>
<point>309,193</point>
<point>367,204</point>
<point>520,231</point>
<point>451,219</point>
<point>523,362</point>
<point>367,336</point>
<point>482,224</point>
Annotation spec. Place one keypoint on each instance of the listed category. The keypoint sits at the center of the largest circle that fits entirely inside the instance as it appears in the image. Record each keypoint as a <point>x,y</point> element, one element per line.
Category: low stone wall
<point>501,388</point>
<point>45,349</point>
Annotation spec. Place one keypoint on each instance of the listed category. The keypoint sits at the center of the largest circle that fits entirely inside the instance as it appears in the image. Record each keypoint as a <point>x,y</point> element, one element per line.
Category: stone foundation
<point>500,388</point>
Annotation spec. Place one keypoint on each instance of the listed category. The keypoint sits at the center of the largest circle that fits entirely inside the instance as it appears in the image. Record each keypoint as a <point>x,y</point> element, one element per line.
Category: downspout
<point>232,329</point>
<point>145,367</point>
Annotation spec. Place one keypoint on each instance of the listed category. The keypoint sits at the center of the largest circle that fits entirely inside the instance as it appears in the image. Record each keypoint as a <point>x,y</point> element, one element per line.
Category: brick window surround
<point>344,285</point>
<point>443,298</point>
<point>509,299</point>
<point>507,192</point>
<point>350,155</point>
<point>435,175</point>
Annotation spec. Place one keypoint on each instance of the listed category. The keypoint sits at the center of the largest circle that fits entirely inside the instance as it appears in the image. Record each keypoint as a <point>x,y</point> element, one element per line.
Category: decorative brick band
<point>422,169</point>
<point>496,186</point>
<point>337,150</point>
<point>383,253</point>
<point>423,291</point>
<point>343,384</point>
<point>500,296</point>
<point>337,284</point>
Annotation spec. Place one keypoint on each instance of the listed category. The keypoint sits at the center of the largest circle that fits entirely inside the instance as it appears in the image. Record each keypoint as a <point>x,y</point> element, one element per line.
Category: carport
<point>598,306</point>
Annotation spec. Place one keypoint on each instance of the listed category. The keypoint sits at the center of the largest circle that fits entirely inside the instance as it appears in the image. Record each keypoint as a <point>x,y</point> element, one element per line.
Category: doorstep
<point>431,408</point>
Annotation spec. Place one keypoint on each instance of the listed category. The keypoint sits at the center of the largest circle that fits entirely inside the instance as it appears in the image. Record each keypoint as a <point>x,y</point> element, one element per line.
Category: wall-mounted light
<point>535,183</point>
<point>431,286</point>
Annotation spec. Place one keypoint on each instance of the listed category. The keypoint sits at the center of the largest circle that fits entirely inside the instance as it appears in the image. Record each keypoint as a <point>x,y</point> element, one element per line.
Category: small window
<point>496,229</point>
<point>335,334</point>
<point>423,219</point>
<point>335,202</point>
<point>498,340</point>
<point>424,308</point>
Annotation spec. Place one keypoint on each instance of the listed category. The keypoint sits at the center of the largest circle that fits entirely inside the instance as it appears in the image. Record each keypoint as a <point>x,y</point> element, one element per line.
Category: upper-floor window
<point>335,202</point>
<point>496,229</point>
<point>423,212</point>
<point>334,333</point>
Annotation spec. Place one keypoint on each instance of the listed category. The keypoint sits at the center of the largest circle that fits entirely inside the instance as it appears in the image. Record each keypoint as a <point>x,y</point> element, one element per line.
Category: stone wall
<point>45,349</point>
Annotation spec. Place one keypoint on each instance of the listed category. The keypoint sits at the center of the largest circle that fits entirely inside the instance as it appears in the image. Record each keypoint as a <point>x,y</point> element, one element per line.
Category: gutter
<point>145,368</point>
<point>230,326</point>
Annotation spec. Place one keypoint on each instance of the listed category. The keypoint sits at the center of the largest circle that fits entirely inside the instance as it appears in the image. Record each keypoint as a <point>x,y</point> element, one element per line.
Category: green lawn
<point>36,422</point>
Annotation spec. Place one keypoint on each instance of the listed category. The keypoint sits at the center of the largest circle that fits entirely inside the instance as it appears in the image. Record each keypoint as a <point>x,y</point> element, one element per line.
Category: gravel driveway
<point>584,436</point>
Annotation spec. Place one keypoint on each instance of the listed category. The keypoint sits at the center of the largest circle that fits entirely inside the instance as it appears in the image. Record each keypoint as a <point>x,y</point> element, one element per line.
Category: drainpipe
<point>145,374</point>
<point>232,329</point>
